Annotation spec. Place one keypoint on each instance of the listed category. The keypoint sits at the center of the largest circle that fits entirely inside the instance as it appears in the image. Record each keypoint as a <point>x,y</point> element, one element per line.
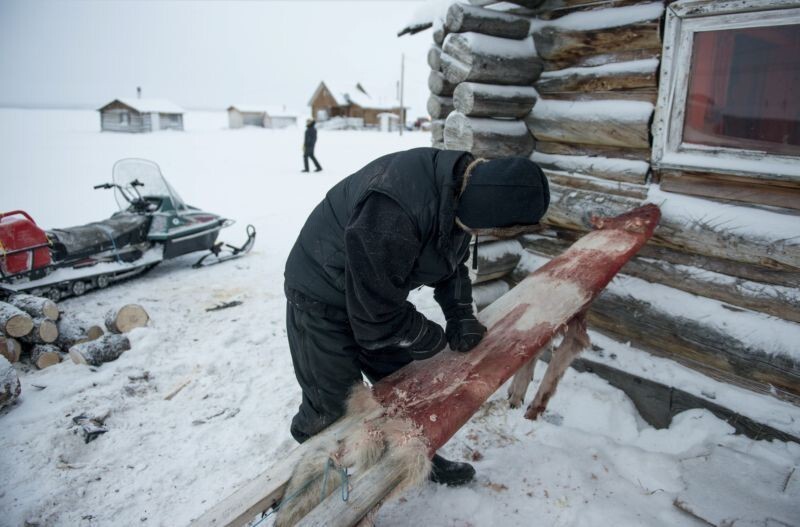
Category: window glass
<point>744,89</point>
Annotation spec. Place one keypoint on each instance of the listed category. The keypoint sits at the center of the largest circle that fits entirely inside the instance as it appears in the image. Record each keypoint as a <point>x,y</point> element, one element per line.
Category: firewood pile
<point>34,331</point>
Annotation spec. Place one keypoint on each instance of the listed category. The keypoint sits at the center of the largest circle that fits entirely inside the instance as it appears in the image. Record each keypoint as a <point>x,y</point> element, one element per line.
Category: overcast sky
<point>205,54</point>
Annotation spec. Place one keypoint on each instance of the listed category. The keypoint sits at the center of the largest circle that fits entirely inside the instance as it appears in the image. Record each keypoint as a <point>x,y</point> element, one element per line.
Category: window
<point>730,80</point>
<point>124,119</point>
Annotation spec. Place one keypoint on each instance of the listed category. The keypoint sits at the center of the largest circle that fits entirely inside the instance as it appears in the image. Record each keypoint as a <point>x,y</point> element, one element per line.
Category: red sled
<point>388,434</point>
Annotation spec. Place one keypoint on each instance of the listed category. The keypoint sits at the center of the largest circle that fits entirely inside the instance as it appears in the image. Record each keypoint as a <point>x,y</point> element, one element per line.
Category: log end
<point>48,331</point>
<point>19,326</point>
<point>77,357</point>
<point>94,332</point>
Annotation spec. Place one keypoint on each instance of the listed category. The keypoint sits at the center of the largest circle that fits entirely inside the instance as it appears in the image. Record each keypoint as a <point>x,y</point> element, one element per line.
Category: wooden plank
<point>589,183</point>
<point>592,123</point>
<point>640,154</point>
<point>779,301</point>
<point>552,246</point>
<point>620,76</point>
<point>368,490</point>
<point>779,193</point>
<point>554,44</point>
<point>623,170</point>
<point>606,57</point>
<point>697,345</point>
<point>645,95</point>
<point>265,490</point>
<point>572,209</point>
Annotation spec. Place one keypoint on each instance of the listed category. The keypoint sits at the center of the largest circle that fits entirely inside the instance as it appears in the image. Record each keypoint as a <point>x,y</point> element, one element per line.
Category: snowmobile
<point>152,225</point>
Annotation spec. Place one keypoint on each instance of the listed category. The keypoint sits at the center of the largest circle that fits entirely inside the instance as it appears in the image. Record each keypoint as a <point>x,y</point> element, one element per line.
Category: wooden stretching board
<point>441,394</point>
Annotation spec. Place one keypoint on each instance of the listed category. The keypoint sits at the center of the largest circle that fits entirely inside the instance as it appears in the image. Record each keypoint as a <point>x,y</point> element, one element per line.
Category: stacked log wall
<point>592,111</point>
<point>483,66</point>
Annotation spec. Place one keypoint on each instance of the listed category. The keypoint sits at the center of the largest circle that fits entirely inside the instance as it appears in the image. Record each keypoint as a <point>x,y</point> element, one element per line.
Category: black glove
<point>430,342</point>
<point>464,332</point>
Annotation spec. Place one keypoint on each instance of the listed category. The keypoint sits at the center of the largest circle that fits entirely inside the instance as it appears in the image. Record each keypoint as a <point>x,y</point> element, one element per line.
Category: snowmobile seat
<point>115,233</point>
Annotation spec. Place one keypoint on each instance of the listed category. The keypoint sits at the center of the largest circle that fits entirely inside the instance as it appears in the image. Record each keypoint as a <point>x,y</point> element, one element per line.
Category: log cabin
<point>688,104</point>
<point>140,115</point>
<point>354,104</point>
<point>240,115</point>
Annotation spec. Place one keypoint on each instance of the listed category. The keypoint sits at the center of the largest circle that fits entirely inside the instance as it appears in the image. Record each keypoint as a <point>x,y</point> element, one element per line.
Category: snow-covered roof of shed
<point>273,110</point>
<point>356,94</point>
<point>148,105</point>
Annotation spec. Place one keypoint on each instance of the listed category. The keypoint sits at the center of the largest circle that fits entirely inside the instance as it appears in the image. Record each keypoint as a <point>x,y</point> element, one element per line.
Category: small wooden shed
<point>240,115</point>
<point>140,115</point>
<point>689,104</point>
<point>355,102</point>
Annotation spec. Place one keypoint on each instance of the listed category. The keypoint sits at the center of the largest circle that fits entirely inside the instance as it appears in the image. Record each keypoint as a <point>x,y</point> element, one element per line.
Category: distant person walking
<point>308,146</point>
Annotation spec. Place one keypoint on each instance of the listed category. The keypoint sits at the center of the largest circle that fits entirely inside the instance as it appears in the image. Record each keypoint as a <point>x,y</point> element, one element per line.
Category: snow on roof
<point>149,105</point>
<point>430,12</point>
<point>273,110</point>
<point>353,95</point>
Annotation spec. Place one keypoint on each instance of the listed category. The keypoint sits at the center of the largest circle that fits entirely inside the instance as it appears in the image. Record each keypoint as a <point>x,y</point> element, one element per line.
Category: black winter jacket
<point>381,232</point>
<point>310,138</point>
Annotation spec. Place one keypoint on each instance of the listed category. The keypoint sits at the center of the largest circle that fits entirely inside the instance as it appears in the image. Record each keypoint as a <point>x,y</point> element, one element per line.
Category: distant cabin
<point>263,116</point>
<point>354,103</point>
<point>140,115</point>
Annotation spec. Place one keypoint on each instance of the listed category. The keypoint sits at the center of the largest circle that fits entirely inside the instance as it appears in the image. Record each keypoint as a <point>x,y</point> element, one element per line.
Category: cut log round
<point>435,57</point>
<point>13,321</point>
<point>437,130</point>
<point>71,332</point>
<point>439,35</point>
<point>9,383</point>
<point>493,60</point>
<point>439,85</point>
<point>45,331</point>
<point>126,318</point>
<point>489,138</point>
<point>495,260</point>
<point>463,18</point>
<point>10,348</point>
<point>45,355</point>
<point>105,349</point>
<point>439,107</point>
<point>488,100</point>
<point>35,306</point>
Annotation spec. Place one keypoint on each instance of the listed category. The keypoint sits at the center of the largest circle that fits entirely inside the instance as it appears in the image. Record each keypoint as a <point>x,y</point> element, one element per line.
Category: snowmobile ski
<point>222,252</point>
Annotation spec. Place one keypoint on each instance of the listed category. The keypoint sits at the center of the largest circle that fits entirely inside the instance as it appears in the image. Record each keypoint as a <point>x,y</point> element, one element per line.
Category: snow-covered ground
<point>591,461</point>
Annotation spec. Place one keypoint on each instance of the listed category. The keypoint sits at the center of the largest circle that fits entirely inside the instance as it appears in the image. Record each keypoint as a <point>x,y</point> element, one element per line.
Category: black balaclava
<point>503,193</point>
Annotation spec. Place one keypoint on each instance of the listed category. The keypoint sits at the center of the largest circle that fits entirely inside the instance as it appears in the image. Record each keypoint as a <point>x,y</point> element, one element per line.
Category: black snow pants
<point>308,152</point>
<point>328,362</point>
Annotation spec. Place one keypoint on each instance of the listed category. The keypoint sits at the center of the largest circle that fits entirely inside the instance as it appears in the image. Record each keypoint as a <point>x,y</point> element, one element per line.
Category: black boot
<point>451,473</point>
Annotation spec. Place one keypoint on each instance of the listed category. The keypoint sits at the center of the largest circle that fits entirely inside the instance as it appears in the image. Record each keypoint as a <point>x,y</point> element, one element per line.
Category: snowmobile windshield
<point>151,183</point>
